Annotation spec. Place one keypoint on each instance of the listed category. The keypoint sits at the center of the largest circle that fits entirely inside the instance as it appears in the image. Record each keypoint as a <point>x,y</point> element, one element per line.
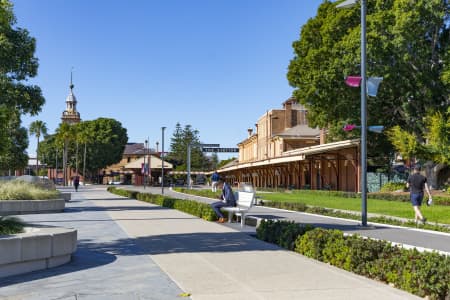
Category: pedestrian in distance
<point>227,198</point>
<point>214,181</point>
<point>76,182</point>
<point>416,184</point>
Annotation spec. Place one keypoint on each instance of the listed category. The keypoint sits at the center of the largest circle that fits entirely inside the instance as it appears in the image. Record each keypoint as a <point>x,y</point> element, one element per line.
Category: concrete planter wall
<point>39,248</point>
<point>18,207</point>
<point>66,196</point>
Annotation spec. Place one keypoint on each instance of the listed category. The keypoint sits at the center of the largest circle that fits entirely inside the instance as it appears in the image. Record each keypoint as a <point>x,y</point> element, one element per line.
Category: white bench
<point>244,201</point>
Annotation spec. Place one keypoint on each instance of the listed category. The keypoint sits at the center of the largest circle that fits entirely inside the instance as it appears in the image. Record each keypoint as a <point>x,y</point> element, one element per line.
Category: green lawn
<point>434,213</point>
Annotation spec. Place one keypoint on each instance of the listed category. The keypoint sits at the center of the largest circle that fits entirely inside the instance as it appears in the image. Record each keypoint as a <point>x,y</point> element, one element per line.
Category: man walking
<point>416,183</point>
<point>214,181</point>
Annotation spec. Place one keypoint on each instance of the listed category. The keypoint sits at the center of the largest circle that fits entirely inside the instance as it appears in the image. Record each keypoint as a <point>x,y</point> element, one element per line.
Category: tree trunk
<point>65,163</point>
<point>37,157</point>
<point>432,173</point>
<point>76,161</point>
<point>84,165</point>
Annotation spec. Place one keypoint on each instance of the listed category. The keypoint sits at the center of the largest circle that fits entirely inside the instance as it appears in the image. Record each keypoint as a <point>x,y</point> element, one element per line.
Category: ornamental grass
<point>21,190</point>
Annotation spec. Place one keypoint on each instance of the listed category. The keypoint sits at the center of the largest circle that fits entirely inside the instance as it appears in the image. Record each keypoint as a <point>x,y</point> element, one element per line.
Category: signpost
<point>209,149</point>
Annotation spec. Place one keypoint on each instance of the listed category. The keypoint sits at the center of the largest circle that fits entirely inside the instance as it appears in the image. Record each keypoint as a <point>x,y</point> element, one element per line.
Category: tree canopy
<point>408,45</point>
<point>180,140</point>
<point>105,141</point>
<point>17,65</point>
<point>16,143</point>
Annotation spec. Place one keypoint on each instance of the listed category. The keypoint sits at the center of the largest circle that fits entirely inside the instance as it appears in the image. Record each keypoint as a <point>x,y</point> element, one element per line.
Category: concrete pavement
<point>134,250</point>
<point>410,237</point>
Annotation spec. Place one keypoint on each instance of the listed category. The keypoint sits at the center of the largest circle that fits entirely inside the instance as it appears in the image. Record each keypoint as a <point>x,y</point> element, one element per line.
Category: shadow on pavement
<point>37,223</point>
<point>74,209</point>
<point>187,243</point>
<point>88,255</point>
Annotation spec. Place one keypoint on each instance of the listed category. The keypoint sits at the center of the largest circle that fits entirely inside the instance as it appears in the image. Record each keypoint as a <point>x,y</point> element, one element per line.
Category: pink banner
<point>349,127</point>
<point>353,81</point>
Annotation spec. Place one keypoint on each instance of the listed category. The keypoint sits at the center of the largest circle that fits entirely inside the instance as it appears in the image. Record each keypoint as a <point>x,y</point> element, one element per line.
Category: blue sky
<point>217,65</point>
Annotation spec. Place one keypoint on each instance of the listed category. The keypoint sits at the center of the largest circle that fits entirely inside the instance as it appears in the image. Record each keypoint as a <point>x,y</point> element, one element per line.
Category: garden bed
<point>37,248</point>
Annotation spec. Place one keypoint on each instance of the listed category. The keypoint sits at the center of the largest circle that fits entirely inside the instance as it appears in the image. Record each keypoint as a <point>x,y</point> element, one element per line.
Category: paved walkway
<point>134,250</point>
<point>411,237</point>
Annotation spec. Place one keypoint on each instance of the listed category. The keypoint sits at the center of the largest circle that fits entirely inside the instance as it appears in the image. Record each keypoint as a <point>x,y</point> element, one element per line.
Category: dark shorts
<point>416,199</point>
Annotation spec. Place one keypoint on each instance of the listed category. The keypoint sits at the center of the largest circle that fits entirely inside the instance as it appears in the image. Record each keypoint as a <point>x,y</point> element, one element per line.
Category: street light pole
<point>363,116</point>
<point>145,166</point>
<point>363,186</point>
<point>188,163</point>
<point>162,159</point>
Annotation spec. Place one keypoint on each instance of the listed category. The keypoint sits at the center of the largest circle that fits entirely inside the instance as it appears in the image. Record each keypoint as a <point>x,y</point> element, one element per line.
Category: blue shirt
<point>228,195</point>
<point>215,177</point>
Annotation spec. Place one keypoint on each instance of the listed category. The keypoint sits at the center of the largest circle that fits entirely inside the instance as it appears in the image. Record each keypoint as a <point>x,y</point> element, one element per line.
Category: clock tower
<point>71,115</point>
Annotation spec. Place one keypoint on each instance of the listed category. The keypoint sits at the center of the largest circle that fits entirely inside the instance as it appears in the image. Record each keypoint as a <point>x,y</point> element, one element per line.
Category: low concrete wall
<point>38,248</point>
<point>19,207</point>
<point>66,196</point>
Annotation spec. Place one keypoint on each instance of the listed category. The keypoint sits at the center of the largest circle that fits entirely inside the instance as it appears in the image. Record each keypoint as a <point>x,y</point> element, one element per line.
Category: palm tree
<point>65,134</point>
<point>37,128</point>
<point>83,137</point>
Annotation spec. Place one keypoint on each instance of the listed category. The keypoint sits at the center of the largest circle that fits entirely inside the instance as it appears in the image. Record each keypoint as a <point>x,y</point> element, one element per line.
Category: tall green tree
<point>15,156</point>
<point>435,150</point>
<point>37,128</point>
<point>65,135</point>
<point>106,144</point>
<point>104,141</point>
<point>17,65</point>
<point>84,136</point>
<point>180,140</point>
<point>408,45</point>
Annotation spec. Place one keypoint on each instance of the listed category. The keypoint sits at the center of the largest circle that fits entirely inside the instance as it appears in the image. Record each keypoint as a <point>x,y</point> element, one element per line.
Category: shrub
<point>10,225</point>
<point>393,186</point>
<point>424,274</point>
<point>296,206</point>
<point>282,233</point>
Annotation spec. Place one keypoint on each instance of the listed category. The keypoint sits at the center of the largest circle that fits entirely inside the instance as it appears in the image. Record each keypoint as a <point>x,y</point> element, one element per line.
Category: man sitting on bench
<point>227,198</point>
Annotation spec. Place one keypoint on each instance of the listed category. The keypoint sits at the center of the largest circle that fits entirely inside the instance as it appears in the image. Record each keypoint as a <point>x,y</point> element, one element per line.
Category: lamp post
<point>347,4</point>
<point>188,163</point>
<point>145,166</point>
<point>149,175</point>
<point>162,159</point>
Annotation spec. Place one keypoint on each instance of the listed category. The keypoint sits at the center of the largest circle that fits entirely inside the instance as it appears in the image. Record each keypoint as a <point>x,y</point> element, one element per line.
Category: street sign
<point>210,145</point>
<point>220,149</point>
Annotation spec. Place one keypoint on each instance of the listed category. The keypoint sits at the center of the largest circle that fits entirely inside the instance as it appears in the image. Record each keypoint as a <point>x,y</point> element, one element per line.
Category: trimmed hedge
<point>198,209</point>
<point>283,233</point>
<point>425,274</point>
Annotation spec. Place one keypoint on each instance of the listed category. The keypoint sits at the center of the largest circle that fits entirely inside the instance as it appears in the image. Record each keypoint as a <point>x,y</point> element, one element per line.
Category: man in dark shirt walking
<point>417,182</point>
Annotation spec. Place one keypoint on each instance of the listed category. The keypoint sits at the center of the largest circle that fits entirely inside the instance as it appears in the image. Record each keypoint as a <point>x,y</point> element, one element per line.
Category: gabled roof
<point>134,149</point>
<point>155,163</point>
<point>299,131</point>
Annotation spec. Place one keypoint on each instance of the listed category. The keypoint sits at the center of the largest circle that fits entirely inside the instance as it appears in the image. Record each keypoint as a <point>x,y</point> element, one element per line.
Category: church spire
<point>71,84</point>
<point>70,115</point>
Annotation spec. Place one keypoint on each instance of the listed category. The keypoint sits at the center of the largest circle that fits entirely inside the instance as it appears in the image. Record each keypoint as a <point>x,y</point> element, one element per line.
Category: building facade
<point>130,169</point>
<point>284,152</point>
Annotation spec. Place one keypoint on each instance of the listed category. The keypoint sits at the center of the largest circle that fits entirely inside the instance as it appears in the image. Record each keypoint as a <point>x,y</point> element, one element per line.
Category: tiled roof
<point>300,131</point>
<point>134,148</point>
